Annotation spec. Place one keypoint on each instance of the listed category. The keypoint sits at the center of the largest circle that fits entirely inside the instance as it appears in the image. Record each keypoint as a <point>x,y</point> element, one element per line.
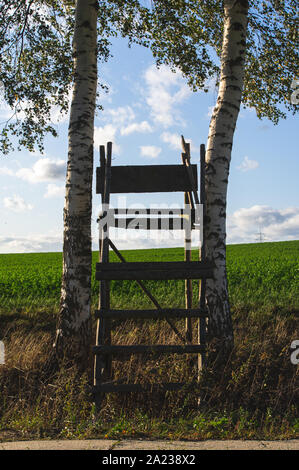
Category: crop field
<point>258,274</point>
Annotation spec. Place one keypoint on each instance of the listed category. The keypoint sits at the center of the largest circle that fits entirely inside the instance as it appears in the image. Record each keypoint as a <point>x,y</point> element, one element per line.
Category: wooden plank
<point>147,178</point>
<point>150,313</point>
<point>178,211</point>
<point>138,223</point>
<point>192,182</point>
<point>187,256</point>
<point>155,271</point>
<point>102,163</point>
<point>151,219</point>
<point>145,387</point>
<point>155,265</point>
<point>148,349</point>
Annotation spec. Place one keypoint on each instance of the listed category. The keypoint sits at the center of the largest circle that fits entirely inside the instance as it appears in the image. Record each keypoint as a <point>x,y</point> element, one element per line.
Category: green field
<point>255,397</point>
<point>259,274</point>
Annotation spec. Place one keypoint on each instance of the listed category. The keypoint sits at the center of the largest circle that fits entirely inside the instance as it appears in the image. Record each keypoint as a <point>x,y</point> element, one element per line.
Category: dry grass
<point>260,384</point>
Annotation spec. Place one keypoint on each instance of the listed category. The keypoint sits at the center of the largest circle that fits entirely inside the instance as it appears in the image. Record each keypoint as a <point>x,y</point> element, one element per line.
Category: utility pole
<point>261,236</point>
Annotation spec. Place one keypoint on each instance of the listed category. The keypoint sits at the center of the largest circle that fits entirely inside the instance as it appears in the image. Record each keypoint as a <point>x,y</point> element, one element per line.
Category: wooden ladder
<point>140,179</point>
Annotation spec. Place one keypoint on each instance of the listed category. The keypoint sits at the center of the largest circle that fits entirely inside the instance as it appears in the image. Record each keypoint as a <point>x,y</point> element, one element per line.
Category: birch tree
<point>74,325</point>
<point>218,156</point>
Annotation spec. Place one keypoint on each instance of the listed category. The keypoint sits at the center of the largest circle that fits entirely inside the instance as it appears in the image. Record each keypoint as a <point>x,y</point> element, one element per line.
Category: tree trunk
<point>74,322</point>
<point>218,156</point>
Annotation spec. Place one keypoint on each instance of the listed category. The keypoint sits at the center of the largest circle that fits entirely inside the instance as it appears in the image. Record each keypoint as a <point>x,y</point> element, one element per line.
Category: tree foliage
<point>36,70</point>
<point>36,67</point>
<point>188,34</point>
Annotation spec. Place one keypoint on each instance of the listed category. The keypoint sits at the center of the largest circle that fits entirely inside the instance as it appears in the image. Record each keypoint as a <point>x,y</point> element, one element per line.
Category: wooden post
<point>102,369</point>
<point>202,289</point>
<point>187,257</point>
<point>102,165</point>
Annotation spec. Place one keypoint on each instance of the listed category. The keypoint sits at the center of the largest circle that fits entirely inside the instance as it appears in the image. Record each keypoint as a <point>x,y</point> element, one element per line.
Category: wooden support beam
<point>192,181</point>
<point>161,223</point>
<point>188,199</point>
<point>102,365</point>
<point>177,211</point>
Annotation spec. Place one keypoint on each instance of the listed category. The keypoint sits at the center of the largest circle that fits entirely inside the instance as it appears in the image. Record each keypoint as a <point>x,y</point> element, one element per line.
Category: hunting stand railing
<point>148,179</point>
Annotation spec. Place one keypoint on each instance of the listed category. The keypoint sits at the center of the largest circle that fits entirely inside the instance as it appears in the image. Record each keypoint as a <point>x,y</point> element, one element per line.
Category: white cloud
<point>174,140</point>
<point>150,151</point>
<point>16,204</point>
<point>248,165</point>
<point>165,90</point>
<point>143,126</point>
<point>119,116</point>
<point>6,112</point>
<point>6,171</point>
<point>275,224</point>
<point>54,191</point>
<point>118,119</point>
<point>31,243</point>
<point>44,169</point>
<point>57,116</point>
<point>105,134</point>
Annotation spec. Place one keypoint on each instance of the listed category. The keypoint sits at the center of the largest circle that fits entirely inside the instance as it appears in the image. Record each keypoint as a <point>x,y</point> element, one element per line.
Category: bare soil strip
<point>101,444</point>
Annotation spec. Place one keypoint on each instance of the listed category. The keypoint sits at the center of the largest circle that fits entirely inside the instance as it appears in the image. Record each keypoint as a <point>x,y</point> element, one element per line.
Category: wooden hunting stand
<point>143,179</point>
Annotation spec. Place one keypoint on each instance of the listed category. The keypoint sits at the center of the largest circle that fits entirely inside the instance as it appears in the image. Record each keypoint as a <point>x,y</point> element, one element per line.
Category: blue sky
<point>144,115</point>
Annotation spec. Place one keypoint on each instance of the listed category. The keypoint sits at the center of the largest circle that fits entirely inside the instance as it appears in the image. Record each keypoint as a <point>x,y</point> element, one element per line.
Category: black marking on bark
<point>85,24</point>
<point>235,62</point>
<point>218,202</point>
<point>225,111</point>
<point>212,235</point>
<point>210,170</point>
<point>229,104</point>
<point>233,87</point>
<point>227,145</point>
<point>219,134</point>
<point>237,26</point>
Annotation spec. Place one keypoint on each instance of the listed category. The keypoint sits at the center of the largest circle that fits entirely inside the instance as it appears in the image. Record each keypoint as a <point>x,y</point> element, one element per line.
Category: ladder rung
<point>153,314</point>
<point>140,223</point>
<point>152,211</point>
<point>148,349</point>
<point>146,387</point>
<point>154,270</point>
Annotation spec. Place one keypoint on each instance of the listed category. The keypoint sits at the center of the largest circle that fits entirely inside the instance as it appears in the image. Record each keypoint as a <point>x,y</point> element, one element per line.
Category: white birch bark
<point>74,323</point>
<point>218,156</point>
